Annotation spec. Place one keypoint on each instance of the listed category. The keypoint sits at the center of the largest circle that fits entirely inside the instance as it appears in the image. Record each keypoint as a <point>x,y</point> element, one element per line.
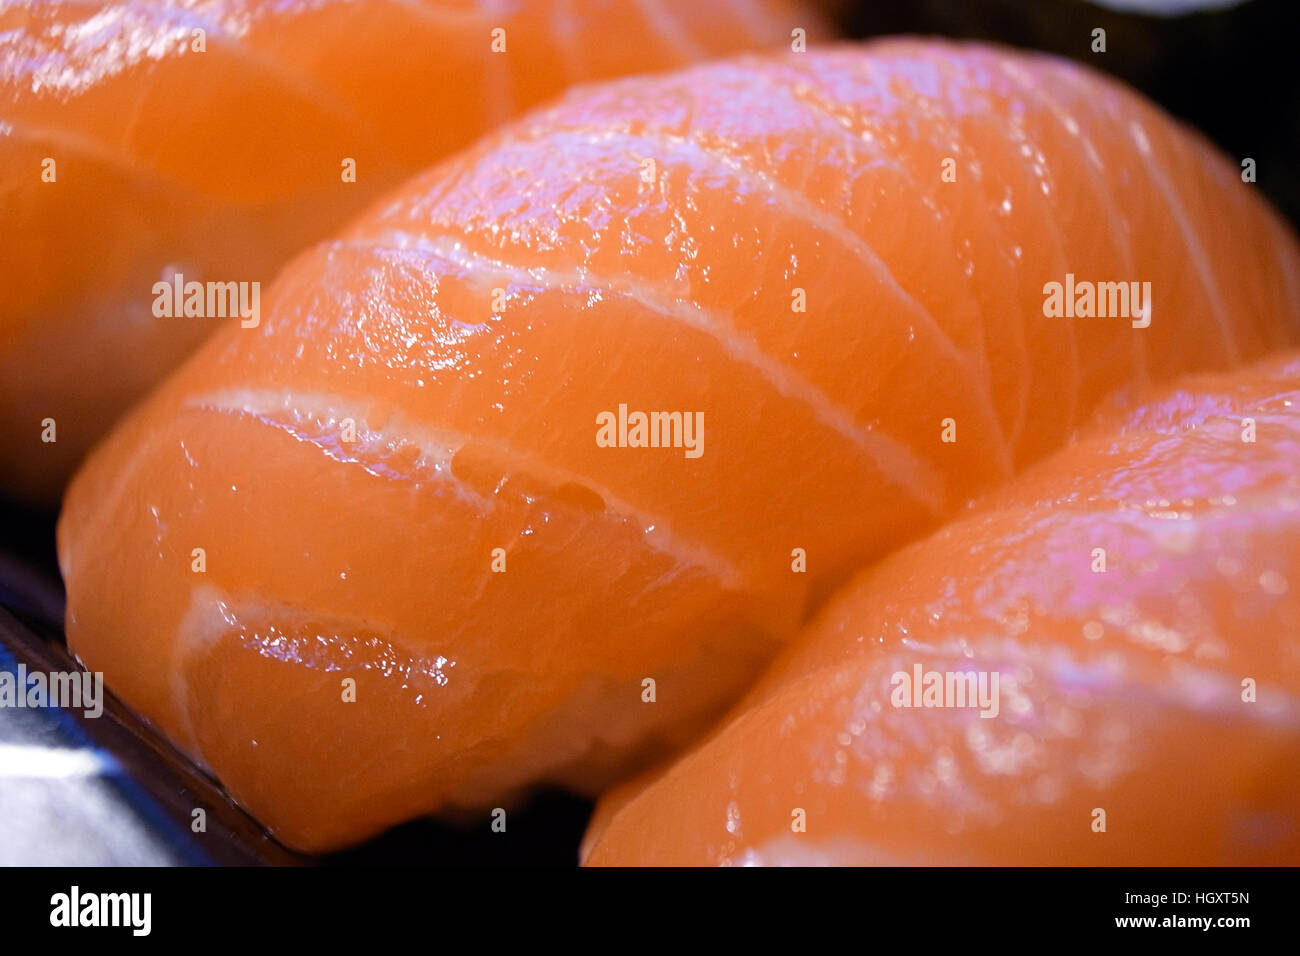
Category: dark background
<point>1231,73</point>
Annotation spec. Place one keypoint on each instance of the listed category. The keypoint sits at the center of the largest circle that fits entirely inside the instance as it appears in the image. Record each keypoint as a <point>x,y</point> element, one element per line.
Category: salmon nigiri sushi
<point>1100,665</point>
<point>525,475</point>
<point>206,142</point>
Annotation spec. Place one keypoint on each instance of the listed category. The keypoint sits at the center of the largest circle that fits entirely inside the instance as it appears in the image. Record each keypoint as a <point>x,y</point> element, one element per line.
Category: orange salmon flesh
<point>429,535</point>
<point>1132,605</point>
<point>213,139</point>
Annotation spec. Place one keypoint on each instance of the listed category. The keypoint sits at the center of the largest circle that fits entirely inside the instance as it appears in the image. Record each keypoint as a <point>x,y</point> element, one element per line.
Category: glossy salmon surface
<point>1116,642</point>
<point>213,139</point>
<point>422,473</point>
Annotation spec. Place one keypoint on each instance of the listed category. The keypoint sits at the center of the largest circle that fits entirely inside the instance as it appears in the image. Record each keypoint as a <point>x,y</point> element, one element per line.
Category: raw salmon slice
<point>399,477</point>
<point>210,138</point>
<point>1136,596</point>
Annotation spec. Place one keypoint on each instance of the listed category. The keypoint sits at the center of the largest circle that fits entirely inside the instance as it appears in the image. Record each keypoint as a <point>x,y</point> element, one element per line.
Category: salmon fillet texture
<point>1157,682</point>
<point>395,479</point>
<point>210,138</point>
